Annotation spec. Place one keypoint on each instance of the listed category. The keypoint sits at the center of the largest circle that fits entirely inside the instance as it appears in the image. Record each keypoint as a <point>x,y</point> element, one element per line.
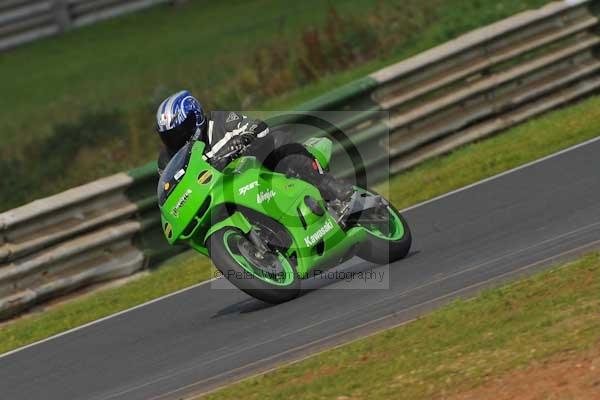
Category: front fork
<point>258,243</point>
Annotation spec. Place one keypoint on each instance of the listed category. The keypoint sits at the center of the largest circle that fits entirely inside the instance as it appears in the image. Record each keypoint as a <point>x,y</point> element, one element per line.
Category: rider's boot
<point>300,163</point>
<point>333,189</point>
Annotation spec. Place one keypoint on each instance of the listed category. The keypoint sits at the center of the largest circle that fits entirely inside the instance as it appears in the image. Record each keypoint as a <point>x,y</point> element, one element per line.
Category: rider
<point>180,118</point>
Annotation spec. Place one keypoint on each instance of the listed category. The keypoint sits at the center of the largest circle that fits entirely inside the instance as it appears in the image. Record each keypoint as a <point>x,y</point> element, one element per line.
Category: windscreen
<point>173,173</point>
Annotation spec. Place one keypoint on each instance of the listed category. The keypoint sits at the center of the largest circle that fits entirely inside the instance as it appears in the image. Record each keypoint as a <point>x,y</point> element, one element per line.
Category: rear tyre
<point>388,240</point>
<point>272,279</point>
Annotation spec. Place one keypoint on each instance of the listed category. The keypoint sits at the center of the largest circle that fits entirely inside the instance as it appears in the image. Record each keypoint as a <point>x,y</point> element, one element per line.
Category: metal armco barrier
<point>23,21</point>
<point>472,87</point>
<point>106,229</point>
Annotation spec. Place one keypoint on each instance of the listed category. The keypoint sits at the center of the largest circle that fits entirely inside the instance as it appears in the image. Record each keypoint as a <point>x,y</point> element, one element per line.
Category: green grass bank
<point>81,106</point>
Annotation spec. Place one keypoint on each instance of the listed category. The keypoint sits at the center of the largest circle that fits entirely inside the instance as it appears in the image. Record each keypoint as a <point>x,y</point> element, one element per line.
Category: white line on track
<point>529,164</point>
<point>510,171</point>
<point>466,289</point>
<point>108,317</point>
<point>395,296</point>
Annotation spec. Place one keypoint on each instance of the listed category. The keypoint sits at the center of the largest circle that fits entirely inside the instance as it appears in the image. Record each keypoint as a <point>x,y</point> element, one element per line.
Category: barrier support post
<point>62,15</point>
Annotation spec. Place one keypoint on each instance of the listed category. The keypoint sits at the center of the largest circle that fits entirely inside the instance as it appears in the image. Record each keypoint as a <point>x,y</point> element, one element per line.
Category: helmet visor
<point>176,137</point>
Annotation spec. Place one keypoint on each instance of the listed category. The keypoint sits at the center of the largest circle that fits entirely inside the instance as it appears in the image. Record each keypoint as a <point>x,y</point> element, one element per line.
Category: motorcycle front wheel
<point>268,277</point>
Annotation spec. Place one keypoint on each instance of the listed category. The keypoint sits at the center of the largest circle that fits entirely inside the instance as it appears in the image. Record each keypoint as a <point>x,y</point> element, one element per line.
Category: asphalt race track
<point>201,338</point>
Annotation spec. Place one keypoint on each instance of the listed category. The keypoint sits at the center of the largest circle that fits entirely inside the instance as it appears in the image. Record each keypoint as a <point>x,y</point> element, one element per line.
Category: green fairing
<point>196,207</point>
<point>236,220</point>
<point>320,148</point>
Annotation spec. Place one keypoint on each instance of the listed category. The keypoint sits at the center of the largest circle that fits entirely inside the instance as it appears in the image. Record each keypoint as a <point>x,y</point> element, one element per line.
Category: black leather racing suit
<point>227,132</point>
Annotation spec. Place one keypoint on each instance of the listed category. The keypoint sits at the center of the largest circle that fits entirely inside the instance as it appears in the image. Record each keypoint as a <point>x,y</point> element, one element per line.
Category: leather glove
<point>232,148</point>
<point>247,138</point>
<point>236,144</point>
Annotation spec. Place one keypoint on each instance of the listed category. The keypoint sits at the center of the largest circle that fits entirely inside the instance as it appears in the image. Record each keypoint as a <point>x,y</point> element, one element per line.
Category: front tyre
<point>388,237</point>
<point>271,278</point>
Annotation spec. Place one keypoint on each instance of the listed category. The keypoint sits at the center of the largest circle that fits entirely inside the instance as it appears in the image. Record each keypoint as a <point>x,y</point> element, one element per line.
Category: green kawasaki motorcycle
<point>265,231</point>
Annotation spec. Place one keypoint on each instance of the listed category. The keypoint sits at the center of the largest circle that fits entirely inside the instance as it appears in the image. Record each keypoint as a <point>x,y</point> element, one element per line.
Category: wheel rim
<point>235,244</point>
<point>390,228</point>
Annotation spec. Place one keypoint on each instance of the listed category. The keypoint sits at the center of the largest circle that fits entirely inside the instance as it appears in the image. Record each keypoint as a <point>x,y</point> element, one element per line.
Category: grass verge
<point>453,349</point>
<point>537,138</point>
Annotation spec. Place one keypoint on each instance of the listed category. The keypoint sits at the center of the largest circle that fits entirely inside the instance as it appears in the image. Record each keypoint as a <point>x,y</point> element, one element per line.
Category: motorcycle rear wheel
<point>387,241</point>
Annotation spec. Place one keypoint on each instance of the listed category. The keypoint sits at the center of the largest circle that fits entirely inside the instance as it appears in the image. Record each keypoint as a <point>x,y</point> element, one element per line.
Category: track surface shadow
<point>334,276</point>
